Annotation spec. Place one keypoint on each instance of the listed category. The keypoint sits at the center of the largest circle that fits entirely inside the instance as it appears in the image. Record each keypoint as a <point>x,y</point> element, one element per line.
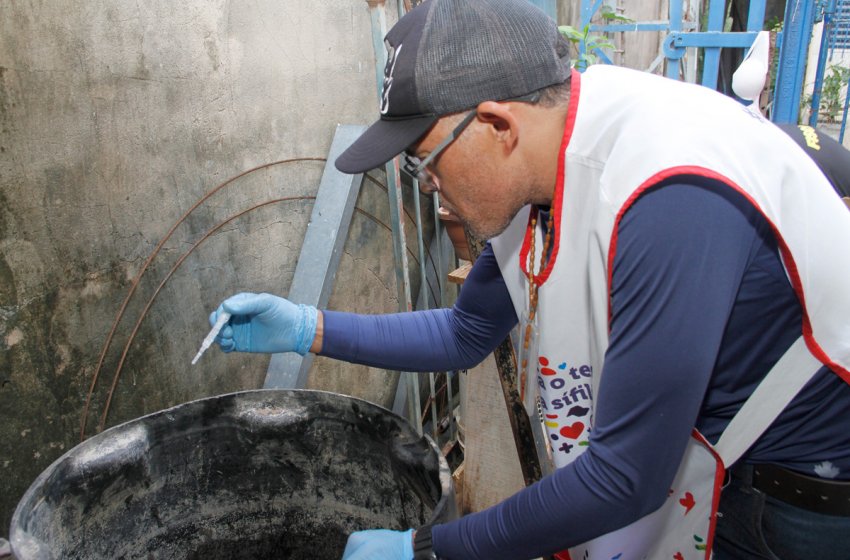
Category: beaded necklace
<point>528,392</point>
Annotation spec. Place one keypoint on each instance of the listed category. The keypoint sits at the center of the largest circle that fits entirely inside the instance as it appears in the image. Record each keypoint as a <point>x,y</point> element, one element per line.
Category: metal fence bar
<point>822,59</point>
<point>755,15</point>
<point>675,27</point>
<point>423,256</point>
<point>799,15</point>
<point>714,39</point>
<point>422,300</point>
<point>442,273</point>
<point>378,16</point>
<point>377,13</point>
<point>320,254</point>
<point>840,36</point>
<point>588,9</point>
<point>682,34</point>
<point>637,26</point>
<point>844,115</point>
<point>711,55</point>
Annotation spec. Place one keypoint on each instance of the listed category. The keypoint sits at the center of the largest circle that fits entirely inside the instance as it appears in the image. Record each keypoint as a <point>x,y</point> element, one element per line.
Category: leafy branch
<point>831,100</point>
<point>591,42</point>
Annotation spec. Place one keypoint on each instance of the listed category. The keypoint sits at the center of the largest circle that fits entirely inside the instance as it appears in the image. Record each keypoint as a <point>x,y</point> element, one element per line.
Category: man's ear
<point>502,121</point>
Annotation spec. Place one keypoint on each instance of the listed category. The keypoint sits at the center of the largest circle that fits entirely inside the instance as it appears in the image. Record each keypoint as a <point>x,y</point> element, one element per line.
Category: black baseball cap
<point>446,56</point>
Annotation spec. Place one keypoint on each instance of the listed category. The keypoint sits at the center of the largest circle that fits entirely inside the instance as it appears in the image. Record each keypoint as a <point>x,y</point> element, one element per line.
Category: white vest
<point>626,131</point>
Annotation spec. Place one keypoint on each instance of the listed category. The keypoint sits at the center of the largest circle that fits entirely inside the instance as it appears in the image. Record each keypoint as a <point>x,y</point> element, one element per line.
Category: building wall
<point>116,118</point>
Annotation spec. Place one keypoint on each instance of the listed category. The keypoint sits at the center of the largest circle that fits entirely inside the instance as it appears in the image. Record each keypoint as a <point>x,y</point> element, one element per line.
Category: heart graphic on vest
<point>573,431</point>
<point>688,502</point>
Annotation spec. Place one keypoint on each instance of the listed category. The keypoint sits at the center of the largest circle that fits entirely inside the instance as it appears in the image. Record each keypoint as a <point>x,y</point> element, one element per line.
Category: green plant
<point>590,41</point>
<point>773,23</point>
<point>609,14</point>
<point>774,26</point>
<point>831,102</point>
<point>587,43</point>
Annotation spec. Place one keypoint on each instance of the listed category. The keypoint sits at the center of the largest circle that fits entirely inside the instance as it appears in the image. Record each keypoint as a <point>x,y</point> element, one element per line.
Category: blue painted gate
<point>792,41</point>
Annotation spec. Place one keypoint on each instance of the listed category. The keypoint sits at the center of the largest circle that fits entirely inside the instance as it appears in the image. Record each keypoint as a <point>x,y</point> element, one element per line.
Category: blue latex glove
<point>266,323</point>
<point>379,544</point>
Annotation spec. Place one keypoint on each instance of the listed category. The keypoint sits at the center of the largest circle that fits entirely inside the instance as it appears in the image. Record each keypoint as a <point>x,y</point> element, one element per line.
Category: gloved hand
<point>379,544</point>
<point>266,323</point>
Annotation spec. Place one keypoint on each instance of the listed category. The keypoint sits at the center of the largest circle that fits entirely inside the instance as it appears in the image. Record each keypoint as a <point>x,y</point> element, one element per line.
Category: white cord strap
<point>781,384</point>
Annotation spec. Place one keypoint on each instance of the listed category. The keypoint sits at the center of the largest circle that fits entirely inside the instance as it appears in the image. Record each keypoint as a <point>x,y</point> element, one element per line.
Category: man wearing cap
<point>680,268</point>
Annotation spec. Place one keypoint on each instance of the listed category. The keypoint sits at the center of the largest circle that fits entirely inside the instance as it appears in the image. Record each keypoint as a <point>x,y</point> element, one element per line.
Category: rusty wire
<point>183,257</point>
<point>137,278</point>
<point>147,263</point>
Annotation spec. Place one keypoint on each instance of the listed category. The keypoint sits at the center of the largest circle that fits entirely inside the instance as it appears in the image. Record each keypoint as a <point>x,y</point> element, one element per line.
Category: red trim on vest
<point>569,125</point>
<point>787,259</point>
<point>719,478</point>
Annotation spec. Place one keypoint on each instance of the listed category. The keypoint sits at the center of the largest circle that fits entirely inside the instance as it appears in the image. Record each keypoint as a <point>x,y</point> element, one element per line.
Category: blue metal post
<point>711,59</point>
<point>423,297</point>
<point>844,115</point>
<point>588,8</point>
<point>675,26</point>
<point>755,16</point>
<point>678,40</point>
<point>799,17</point>
<point>438,236</point>
<point>822,58</point>
<point>377,12</point>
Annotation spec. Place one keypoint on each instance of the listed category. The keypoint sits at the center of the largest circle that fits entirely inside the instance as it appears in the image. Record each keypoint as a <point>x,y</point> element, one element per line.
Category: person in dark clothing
<point>832,158</point>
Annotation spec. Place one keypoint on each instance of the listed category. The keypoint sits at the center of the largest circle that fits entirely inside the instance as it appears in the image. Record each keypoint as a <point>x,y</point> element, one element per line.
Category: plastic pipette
<point>208,340</point>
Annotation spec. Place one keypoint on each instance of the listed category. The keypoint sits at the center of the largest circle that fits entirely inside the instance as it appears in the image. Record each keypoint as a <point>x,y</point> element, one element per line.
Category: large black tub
<point>258,474</point>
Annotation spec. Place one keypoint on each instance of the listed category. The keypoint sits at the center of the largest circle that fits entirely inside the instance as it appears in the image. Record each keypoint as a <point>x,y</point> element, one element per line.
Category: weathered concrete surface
<point>115,118</point>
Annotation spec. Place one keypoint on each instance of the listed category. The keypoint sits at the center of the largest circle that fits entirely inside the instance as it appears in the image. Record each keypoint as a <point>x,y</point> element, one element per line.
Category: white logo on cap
<point>392,56</point>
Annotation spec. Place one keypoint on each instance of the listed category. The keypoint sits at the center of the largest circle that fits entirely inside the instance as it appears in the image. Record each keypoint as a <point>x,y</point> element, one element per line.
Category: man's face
<point>478,181</point>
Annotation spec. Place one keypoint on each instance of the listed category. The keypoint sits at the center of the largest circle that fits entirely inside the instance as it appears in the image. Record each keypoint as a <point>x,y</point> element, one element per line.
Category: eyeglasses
<point>418,168</point>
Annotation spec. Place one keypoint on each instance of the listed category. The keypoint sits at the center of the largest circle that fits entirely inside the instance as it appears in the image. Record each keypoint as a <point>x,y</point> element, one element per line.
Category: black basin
<point>257,474</point>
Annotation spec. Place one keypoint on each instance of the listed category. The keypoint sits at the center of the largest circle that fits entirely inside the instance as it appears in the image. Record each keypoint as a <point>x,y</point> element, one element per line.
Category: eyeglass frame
<point>418,171</point>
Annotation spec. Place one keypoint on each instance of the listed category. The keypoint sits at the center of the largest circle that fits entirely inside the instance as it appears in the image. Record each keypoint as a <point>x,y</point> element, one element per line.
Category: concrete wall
<point>116,117</point>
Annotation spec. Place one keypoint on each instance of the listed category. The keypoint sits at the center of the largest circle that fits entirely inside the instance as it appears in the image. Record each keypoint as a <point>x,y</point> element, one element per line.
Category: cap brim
<point>381,142</point>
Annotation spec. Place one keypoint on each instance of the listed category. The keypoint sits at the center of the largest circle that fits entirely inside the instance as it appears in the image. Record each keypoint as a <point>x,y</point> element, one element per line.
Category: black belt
<point>830,497</point>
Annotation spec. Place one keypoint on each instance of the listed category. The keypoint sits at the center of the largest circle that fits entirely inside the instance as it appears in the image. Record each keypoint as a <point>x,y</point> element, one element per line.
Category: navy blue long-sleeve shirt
<point>701,310</point>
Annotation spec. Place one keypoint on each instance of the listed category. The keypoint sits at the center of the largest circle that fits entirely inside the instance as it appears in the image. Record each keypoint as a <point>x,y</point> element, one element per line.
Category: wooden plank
<point>458,276</point>
<point>506,365</point>
<point>490,473</point>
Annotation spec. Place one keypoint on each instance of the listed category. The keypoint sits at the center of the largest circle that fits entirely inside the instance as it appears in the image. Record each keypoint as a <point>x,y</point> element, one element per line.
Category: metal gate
<point>792,41</point>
